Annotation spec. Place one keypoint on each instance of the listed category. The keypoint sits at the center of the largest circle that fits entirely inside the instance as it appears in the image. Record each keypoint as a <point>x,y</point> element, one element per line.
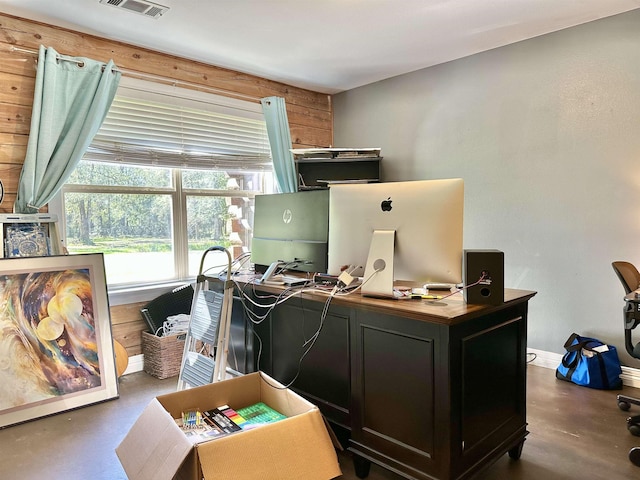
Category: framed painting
<point>56,349</point>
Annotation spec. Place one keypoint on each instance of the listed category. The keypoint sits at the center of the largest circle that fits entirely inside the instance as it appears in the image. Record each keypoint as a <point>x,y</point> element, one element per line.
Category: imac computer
<point>397,231</point>
<point>290,231</point>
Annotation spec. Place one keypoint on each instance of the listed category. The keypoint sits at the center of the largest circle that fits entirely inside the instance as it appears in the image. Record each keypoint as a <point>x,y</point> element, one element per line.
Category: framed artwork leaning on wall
<point>56,348</point>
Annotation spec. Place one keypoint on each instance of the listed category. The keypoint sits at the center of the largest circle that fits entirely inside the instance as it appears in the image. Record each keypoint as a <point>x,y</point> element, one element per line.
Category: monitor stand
<point>378,273</point>
<point>269,274</point>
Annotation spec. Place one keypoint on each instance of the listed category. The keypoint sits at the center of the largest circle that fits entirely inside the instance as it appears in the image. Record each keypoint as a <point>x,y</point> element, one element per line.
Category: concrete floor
<point>575,433</point>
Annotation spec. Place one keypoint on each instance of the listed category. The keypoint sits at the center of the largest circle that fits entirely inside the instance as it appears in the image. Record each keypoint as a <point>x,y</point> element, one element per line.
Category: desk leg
<point>516,451</point>
<point>361,466</point>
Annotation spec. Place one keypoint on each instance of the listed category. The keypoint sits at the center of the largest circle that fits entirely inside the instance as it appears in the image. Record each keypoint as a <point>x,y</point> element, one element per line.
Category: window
<point>170,173</point>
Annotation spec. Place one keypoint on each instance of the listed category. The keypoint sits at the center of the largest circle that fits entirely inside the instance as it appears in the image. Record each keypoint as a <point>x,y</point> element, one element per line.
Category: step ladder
<point>206,345</point>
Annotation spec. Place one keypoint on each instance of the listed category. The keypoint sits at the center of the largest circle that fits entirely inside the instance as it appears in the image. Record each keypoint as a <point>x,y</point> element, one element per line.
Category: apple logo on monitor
<point>386,205</point>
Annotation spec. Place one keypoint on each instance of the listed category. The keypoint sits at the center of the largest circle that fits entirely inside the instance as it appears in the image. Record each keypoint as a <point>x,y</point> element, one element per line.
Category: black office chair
<point>630,278</point>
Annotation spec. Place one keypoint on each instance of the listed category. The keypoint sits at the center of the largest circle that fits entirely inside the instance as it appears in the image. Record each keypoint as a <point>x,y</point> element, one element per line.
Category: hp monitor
<point>292,229</point>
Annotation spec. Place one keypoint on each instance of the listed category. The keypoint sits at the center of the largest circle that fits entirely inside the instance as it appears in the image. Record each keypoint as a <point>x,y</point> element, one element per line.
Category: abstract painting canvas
<point>56,349</point>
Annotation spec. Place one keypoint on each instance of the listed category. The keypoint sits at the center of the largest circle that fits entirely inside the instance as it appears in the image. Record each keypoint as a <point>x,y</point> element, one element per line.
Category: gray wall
<point>546,134</point>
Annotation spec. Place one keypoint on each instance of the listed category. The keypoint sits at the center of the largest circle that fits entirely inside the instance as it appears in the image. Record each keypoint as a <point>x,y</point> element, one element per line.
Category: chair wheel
<point>624,406</point>
<point>634,456</point>
<point>634,429</point>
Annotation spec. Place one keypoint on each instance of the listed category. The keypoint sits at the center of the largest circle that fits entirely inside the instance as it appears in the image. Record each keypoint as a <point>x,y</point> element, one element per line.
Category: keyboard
<point>293,281</point>
<point>438,286</point>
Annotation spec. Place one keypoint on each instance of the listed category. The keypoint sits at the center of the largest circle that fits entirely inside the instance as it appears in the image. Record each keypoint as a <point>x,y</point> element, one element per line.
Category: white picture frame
<point>56,346</point>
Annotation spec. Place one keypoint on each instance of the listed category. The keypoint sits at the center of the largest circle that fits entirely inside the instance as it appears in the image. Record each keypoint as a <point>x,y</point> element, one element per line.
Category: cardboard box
<point>298,447</point>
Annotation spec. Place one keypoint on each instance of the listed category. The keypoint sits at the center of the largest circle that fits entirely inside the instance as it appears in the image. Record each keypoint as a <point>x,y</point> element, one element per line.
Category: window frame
<point>137,291</point>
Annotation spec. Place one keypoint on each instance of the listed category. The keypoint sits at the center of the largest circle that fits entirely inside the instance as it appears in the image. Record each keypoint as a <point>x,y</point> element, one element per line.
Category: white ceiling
<point>323,45</point>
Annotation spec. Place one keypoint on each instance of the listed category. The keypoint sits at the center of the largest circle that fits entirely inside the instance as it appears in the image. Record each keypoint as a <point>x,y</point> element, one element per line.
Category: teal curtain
<point>284,168</point>
<point>72,96</point>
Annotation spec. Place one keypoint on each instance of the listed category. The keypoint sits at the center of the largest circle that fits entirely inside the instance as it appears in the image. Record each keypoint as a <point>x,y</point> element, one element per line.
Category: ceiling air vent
<point>148,9</point>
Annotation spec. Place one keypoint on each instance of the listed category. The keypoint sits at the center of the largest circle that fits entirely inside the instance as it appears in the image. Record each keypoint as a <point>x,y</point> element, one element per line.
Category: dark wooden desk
<point>426,390</point>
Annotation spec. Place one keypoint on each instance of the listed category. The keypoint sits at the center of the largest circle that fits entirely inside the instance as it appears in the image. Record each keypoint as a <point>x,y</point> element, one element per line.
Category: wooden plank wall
<point>310,113</point>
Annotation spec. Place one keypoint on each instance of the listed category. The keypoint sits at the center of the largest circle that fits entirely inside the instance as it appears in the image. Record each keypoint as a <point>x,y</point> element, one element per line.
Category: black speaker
<point>484,269</point>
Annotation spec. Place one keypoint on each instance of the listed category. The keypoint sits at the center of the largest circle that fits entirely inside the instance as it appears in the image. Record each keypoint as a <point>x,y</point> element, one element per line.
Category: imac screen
<point>424,217</point>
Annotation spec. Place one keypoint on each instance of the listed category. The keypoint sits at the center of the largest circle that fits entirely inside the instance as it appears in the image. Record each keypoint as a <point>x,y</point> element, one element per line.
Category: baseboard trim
<point>543,359</point>
<point>136,364</point>
<point>630,376</point>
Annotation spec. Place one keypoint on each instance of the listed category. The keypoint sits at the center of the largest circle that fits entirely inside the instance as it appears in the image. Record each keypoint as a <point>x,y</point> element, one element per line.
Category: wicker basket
<point>162,355</point>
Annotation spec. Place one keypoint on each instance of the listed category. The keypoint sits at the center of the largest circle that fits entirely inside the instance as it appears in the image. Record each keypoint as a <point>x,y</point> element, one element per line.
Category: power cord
<point>460,290</point>
<point>344,281</point>
<point>341,288</point>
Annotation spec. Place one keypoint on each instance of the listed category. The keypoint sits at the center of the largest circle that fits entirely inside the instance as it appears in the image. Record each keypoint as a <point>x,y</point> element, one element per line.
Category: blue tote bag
<point>590,363</point>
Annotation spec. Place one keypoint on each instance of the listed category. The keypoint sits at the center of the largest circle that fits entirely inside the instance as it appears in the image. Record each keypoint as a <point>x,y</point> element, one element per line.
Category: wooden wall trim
<point>30,35</point>
<point>310,113</point>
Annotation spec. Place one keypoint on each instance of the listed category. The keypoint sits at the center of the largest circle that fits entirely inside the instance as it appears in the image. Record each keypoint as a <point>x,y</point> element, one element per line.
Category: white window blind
<point>161,125</point>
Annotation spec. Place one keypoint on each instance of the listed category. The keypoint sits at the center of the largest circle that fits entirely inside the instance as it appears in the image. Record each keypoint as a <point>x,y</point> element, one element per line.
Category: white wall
<point>546,134</point>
